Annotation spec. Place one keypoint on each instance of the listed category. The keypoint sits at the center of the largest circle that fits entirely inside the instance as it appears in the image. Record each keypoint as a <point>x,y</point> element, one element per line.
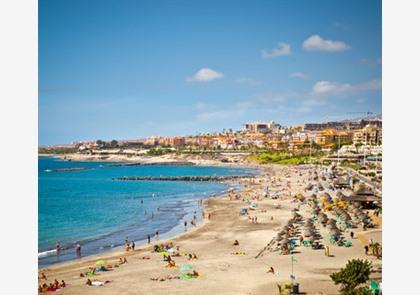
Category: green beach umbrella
<point>100,262</point>
<point>185,267</point>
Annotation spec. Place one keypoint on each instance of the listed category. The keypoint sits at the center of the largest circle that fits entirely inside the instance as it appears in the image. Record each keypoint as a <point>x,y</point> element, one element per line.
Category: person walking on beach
<point>78,250</point>
<point>133,245</point>
<point>366,249</point>
<point>185,225</point>
<point>157,235</point>
<point>58,248</point>
<point>148,239</point>
<point>352,235</point>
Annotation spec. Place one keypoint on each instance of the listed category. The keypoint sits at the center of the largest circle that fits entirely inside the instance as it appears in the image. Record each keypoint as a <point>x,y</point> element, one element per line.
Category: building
<point>261,127</point>
<point>369,135</point>
<point>329,137</point>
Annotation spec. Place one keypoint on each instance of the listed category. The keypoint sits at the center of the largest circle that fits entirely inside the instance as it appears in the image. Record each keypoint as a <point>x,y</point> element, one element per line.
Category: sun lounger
<point>348,244</point>
<point>374,286</point>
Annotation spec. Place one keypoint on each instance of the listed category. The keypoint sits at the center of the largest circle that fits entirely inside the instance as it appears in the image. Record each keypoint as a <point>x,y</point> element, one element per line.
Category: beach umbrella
<point>331,226</point>
<point>332,221</point>
<point>323,220</point>
<point>307,234</point>
<point>309,230</point>
<point>335,232</point>
<point>285,241</point>
<point>316,211</point>
<point>101,262</point>
<point>185,267</point>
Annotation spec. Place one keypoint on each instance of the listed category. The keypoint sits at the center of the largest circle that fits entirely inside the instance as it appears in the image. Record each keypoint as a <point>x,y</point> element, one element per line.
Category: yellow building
<point>328,137</point>
<point>369,135</point>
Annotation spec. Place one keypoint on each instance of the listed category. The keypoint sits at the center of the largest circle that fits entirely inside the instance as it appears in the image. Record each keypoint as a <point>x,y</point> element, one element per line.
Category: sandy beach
<point>220,270</point>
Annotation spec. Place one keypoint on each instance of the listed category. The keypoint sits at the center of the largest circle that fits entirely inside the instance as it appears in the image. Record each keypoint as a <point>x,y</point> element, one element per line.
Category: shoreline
<point>140,245</point>
<point>171,233</point>
<point>220,271</point>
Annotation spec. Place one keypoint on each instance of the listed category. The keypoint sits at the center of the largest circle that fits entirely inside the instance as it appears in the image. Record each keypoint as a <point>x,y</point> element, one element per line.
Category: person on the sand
<point>56,284</point>
<point>57,248</point>
<point>78,250</point>
<point>271,270</point>
<point>43,276</point>
<point>236,243</point>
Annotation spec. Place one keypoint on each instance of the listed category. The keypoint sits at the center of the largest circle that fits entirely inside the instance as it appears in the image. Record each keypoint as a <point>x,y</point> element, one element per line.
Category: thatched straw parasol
<point>331,225</point>
<point>331,222</point>
<point>285,241</point>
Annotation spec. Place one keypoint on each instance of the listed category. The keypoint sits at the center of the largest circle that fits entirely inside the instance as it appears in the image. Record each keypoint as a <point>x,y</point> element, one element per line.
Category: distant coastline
<point>161,160</point>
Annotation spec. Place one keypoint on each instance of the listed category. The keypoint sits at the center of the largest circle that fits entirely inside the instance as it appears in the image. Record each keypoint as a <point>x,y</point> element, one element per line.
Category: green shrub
<point>355,273</point>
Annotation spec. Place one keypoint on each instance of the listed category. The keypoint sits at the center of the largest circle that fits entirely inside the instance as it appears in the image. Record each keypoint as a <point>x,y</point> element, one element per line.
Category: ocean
<point>89,208</point>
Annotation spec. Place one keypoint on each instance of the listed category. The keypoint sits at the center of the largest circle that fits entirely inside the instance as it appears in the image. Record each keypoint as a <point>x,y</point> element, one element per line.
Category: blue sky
<point>132,69</point>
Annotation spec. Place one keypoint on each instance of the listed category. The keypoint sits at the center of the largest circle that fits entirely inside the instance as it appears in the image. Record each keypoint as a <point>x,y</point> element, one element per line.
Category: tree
<point>356,272</point>
<point>114,143</point>
<point>100,143</point>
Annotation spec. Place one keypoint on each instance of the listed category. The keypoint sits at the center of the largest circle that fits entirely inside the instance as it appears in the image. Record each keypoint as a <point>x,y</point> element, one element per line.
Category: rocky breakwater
<point>172,163</point>
<point>181,178</point>
<point>68,169</point>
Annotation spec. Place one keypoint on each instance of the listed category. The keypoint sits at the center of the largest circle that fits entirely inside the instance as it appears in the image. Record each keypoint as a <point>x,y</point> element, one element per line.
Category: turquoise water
<point>90,208</point>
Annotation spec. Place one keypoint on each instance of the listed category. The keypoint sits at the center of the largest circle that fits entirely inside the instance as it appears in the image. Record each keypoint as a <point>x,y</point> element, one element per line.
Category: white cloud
<point>316,43</point>
<point>205,75</point>
<point>282,49</point>
<point>325,87</point>
<point>333,88</point>
<point>298,75</point>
